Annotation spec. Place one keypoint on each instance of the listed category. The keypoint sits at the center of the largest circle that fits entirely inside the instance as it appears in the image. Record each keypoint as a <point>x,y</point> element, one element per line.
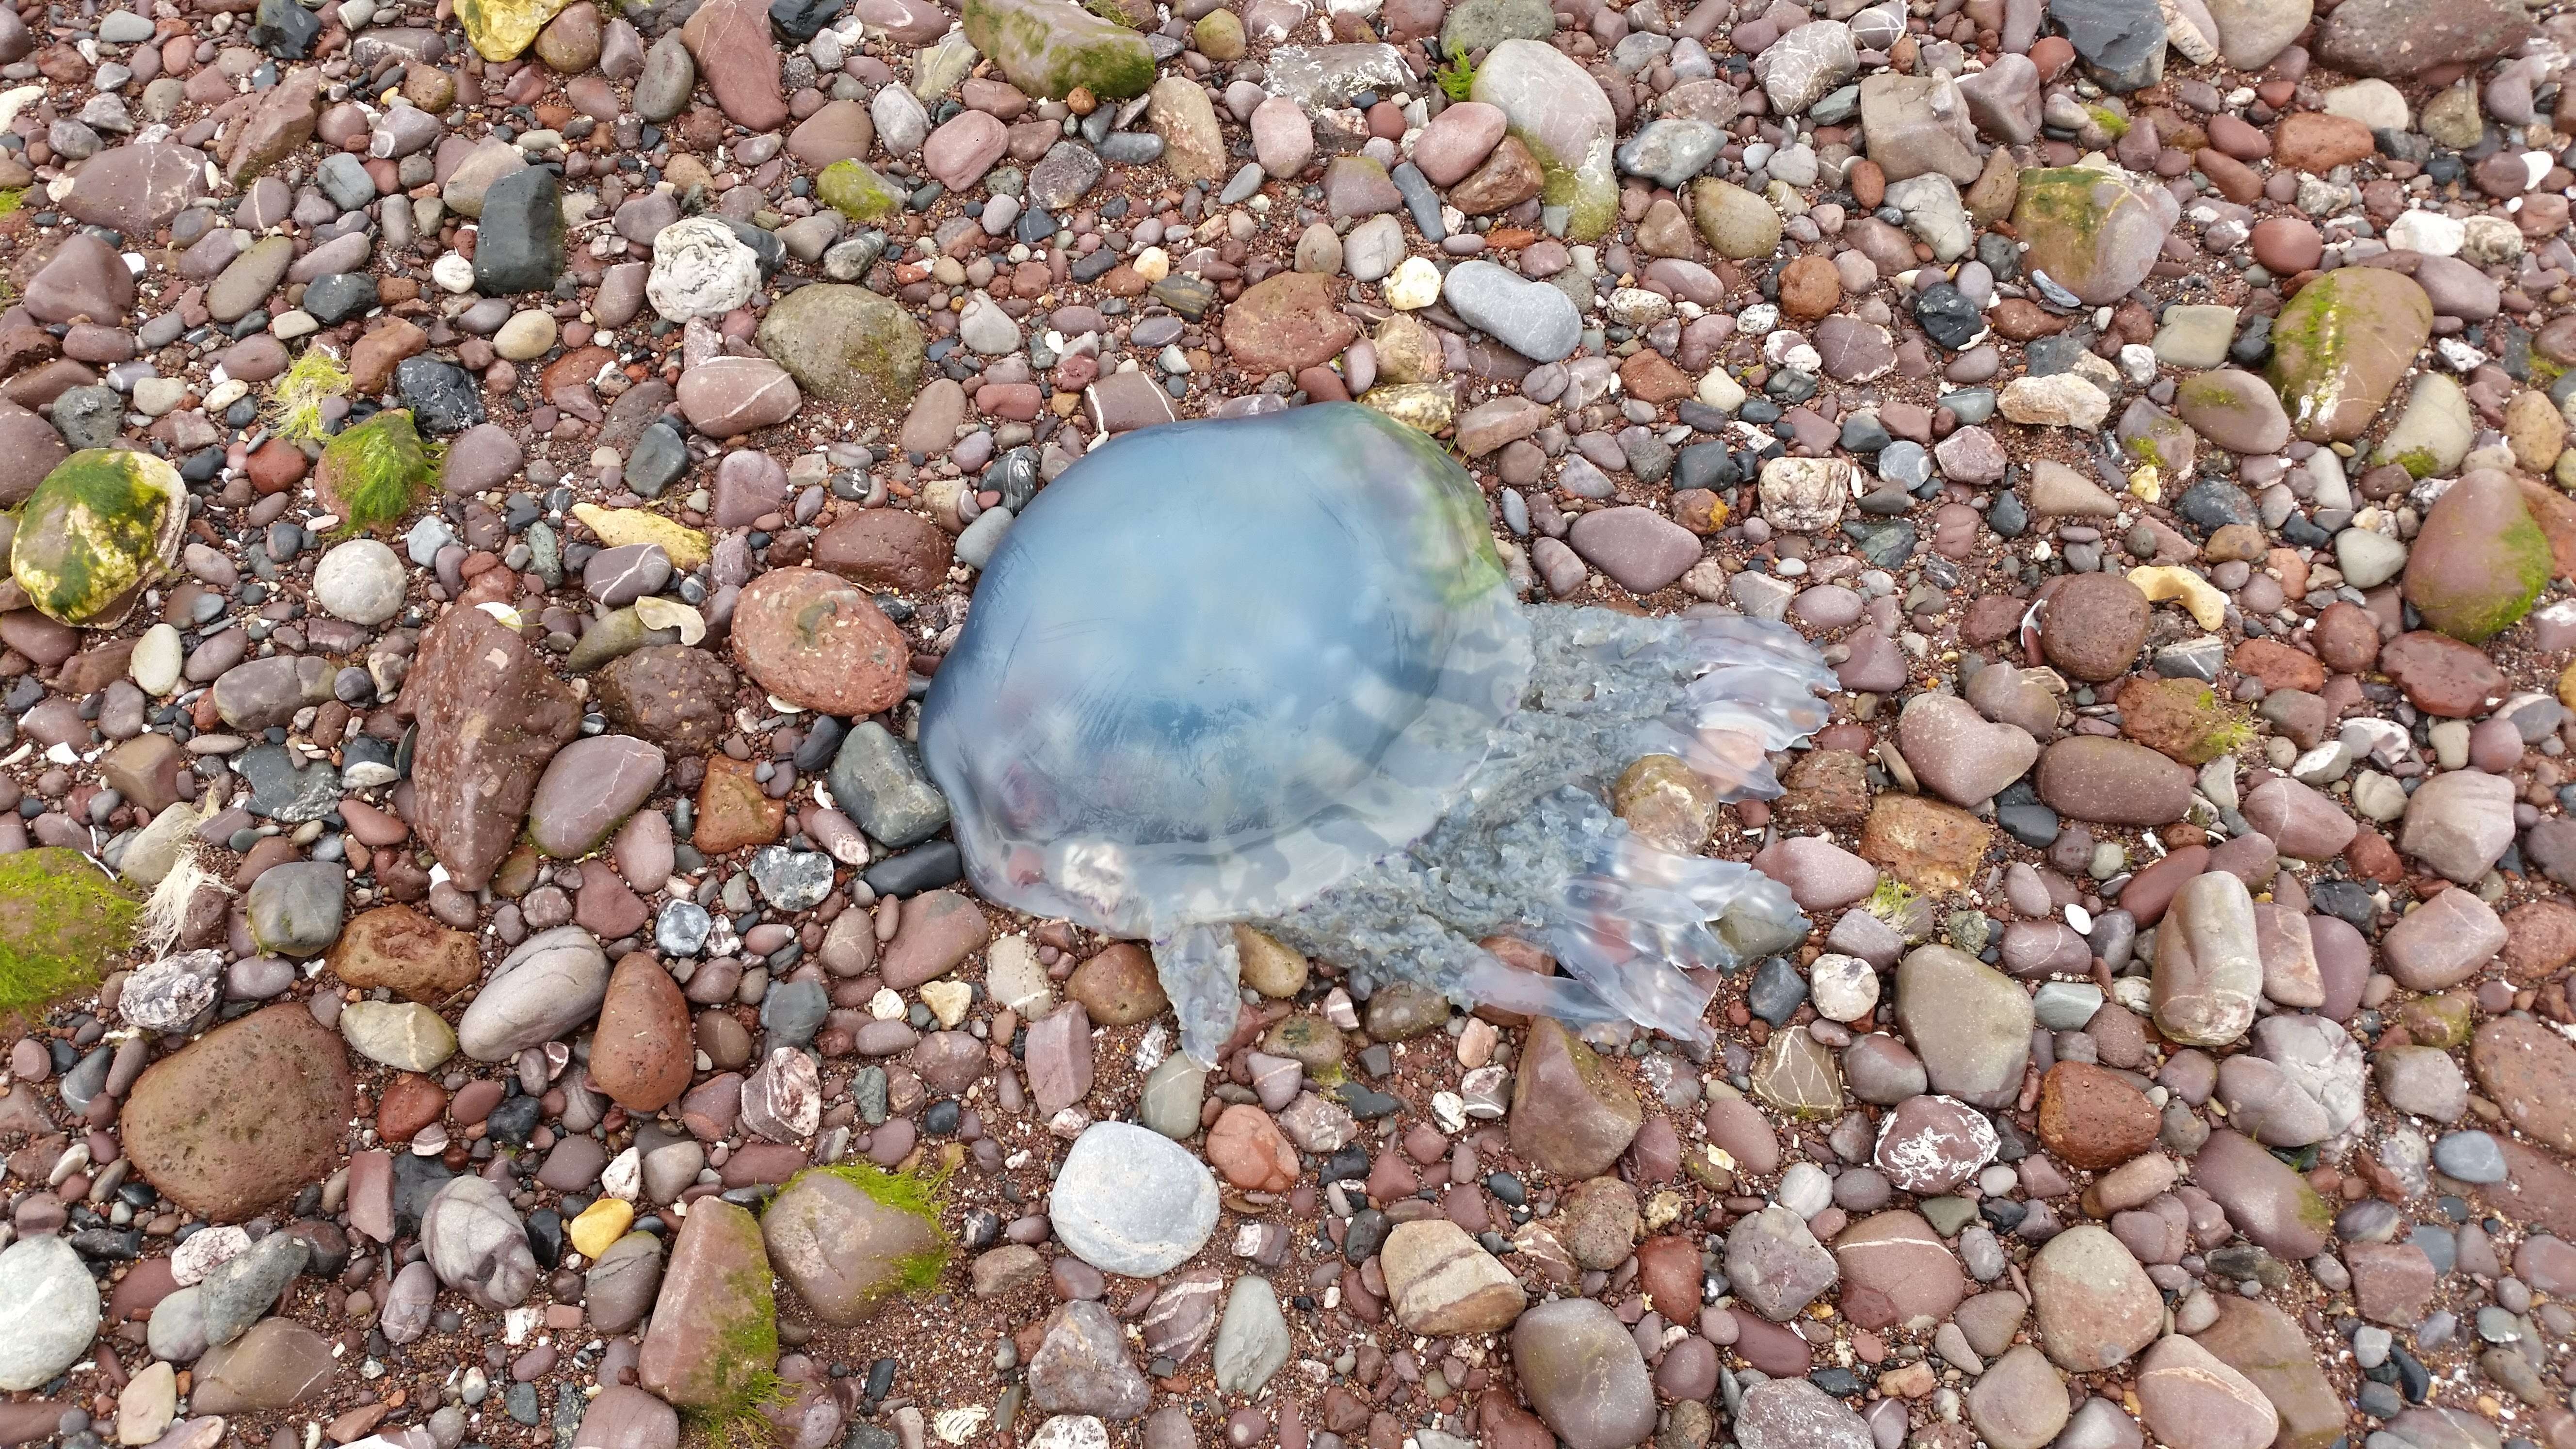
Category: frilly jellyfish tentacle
<point>1201,973</point>
<point>1637,928</point>
<point>1755,693</point>
<point>1488,982</point>
<point>1603,952</point>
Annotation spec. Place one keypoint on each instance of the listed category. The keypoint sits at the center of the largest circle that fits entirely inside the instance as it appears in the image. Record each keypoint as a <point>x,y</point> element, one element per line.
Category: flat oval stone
<point>588,789</point>
<point>1131,1201</point>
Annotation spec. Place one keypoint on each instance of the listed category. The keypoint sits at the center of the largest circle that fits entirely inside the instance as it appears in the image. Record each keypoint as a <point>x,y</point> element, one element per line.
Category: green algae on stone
<point>2443,1023</point>
<point>1588,192</point>
<point>845,344</point>
<point>1049,47</point>
<point>850,1236</point>
<point>2433,432</point>
<point>62,921</point>
<point>712,1349</point>
<point>2092,231</point>
<point>905,1192</point>
<point>738,1420</point>
<point>2340,346</point>
<point>2479,560</point>
<point>373,471</point>
<point>1556,110</point>
<point>2183,720</point>
<point>854,189</point>
<point>104,524</point>
<point>2419,463</point>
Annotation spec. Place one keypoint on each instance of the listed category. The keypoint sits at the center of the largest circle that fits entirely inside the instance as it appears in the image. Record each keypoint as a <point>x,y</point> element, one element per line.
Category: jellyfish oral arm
<point>1202,975</point>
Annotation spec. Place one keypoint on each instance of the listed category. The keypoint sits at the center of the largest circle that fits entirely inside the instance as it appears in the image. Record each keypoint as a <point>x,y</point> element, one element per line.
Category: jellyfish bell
<point>1247,656</point>
<point>1271,670</point>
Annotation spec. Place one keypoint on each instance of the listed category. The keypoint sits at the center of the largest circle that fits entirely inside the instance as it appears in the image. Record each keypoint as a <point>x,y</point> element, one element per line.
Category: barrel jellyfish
<point>1271,670</point>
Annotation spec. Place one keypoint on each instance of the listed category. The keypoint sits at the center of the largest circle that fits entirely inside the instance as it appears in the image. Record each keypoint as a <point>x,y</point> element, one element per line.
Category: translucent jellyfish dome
<point>1217,667</point>
<point>1271,672</point>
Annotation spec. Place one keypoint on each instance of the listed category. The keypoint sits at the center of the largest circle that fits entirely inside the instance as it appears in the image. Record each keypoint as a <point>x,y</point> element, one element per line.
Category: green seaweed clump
<point>373,471</point>
<point>61,921</point>
<point>1108,10</point>
<point>10,201</point>
<point>295,408</point>
<point>1456,77</point>
<point>737,1420</point>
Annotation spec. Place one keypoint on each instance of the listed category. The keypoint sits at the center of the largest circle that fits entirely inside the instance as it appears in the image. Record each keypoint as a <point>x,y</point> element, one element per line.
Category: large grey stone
<point>1131,1201</point>
<point>1559,112</point>
<point>49,1311</point>
<point>551,984</point>
<point>879,780</point>
<point>477,1244</point>
<point>1533,319</point>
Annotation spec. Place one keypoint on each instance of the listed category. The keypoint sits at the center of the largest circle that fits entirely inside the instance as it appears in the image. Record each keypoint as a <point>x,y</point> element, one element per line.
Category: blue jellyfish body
<point>1271,670</point>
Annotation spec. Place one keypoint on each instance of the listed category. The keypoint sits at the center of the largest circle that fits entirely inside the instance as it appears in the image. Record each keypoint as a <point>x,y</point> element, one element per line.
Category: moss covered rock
<point>2340,346</point>
<point>2479,560</point>
<point>713,1346</point>
<point>1048,47</point>
<point>851,1236</point>
<point>854,189</point>
<point>62,923</point>
<point>846,344</point>
<point>105,523</point>
<point>1557,111</point>
<point>373,471</point>
<point>2181,719</point>
<point>2092,232</point>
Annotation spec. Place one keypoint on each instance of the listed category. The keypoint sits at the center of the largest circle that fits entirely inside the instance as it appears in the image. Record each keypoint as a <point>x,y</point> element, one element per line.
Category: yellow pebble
<point>601,1224</point>
<point>1425,406</point>
<point>2169,582</point>
<point>617,527</point>
<point>947,1000</point>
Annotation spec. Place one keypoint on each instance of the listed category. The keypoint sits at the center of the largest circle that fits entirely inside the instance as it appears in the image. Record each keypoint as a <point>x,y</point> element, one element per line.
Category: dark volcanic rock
<point>285,29</point>
<point>441,395</point>
<point>520,246</point>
